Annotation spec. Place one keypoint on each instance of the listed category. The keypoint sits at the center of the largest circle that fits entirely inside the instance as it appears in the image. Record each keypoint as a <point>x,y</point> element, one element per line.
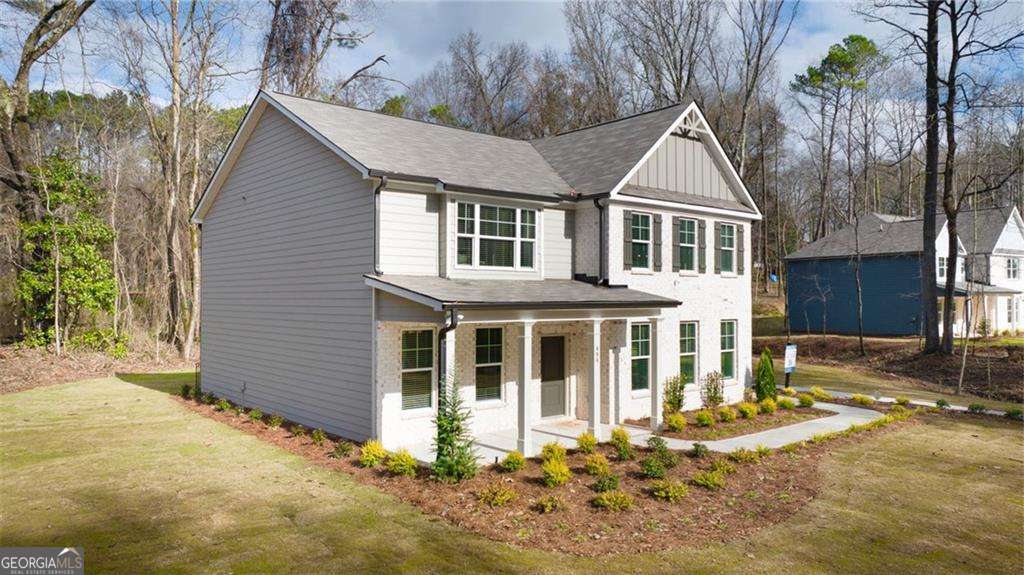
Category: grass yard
<point>144,484</point>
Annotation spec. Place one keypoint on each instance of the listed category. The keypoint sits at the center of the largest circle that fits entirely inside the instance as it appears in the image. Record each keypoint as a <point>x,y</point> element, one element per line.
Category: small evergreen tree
<point>455,460</point>
<point>764,385</point>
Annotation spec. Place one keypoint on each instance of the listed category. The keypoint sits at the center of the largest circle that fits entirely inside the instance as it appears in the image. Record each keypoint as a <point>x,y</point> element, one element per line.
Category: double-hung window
<point>495,236</point>
<point>687,244</point>
<point>942,266</point>
<point>728,348</point>
<point>640,230</point>
<point>488,363</point>
<point>1012,268</point>
<point>417,369</point>
<point>727,243</point>
<point>1009,311</point>
<point>688,351</point>
<point>640,344</point>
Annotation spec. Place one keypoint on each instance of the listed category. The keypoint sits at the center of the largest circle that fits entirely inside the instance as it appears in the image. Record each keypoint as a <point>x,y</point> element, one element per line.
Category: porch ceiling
<point>465,294</point>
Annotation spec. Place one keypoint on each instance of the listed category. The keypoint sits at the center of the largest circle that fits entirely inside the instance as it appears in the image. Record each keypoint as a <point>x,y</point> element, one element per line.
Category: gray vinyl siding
<point>409,223</point>
<point>684,165</point>
<point>393,308</point>
<point>285,309</point>
<point>558,233</point>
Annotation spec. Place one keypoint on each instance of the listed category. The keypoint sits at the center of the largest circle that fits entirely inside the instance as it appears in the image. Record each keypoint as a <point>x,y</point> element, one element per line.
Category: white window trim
<point>721,350</point>
<point>500,400</point>
<point>517,241</point>
<point>941,266</point>
<point>649,241</point>
<point>694,246</point>
<point>1012,268</point>
<point>419,412</point>
<point>721,244</point>
<point>1010,315</point>
<point>696,349</point>
<point>645,392</point>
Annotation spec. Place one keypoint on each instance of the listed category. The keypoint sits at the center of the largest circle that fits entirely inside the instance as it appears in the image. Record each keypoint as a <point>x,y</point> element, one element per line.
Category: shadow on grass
<point>169,382</point>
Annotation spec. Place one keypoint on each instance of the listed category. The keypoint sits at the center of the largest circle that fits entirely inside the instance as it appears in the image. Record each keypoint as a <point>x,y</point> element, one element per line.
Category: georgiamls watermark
<point>42,561</point>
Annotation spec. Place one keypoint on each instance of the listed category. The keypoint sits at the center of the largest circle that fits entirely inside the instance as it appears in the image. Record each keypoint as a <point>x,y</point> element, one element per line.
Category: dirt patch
<point>992,371</point>
<point>22,369</point>
<point>755,496</point>
<point>725,430</point>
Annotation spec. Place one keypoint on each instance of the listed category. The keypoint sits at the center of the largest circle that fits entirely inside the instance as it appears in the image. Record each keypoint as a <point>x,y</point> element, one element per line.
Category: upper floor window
<point>640,347</point>
<point>727,246</point>
<point>942,266</point>
<point>640,232</point>
<point>495,237</point>
<point>687,244</point>
<point>1012,268</point>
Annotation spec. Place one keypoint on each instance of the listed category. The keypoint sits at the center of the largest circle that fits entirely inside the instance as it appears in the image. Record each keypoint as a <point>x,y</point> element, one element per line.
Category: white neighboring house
<point>351,260</point>
<point>994,238</point>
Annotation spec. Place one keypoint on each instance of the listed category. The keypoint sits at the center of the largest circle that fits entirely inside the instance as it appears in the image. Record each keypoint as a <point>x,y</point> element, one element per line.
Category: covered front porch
<point>984,309</point>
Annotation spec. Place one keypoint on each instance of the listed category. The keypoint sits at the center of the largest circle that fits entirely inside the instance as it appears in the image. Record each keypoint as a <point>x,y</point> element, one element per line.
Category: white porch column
<point>524,442</point>
<point>659,368</point>
<point>594,401</point>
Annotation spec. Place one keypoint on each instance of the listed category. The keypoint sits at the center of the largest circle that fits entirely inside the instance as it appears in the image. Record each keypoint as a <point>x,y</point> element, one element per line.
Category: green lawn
<point>146,485</point>
<point>840,379</point>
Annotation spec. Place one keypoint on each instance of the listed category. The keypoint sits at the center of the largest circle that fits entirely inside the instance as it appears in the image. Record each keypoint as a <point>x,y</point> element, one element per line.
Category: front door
<point>552,376</point>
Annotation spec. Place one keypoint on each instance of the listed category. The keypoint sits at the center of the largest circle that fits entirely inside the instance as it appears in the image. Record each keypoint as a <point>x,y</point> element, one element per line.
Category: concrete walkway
<point>844,417</point>
<point>886,399</point>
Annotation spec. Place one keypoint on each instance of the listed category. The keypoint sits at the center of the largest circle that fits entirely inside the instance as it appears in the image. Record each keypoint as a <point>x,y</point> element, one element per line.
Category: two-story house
<point>353,260</point>
<point>994,240</point>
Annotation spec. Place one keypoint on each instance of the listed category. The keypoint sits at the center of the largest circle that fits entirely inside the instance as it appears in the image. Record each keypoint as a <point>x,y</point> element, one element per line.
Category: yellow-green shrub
<point>675,422</point>
<point>862,399</point>
<point>668,490</point>
<point>744,455</point>
<point>555,472</point>
<point>614,501</point>
<point>401,462</point>
<point>704,418</point>
<point>790,391</point>
<point>586,442</point>
<point>819,393</point>
<point>805,399</point>
<point>514,461</point>
<point>767,406</point>
<point>747,410</point>
<point>549,504</point>
<point>372,453</point>
<point>495,495</point>
<point>726,414</point>
<point>712,480</point>
<point>552,451</point>
<point>596,464</point>
<point>786,403</point>
<point>620,440</point>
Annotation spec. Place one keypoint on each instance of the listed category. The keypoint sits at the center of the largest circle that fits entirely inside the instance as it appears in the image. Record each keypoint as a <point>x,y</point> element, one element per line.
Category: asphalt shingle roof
<point>879,234</point>
<point>550,293</point>
<point>989,223</point>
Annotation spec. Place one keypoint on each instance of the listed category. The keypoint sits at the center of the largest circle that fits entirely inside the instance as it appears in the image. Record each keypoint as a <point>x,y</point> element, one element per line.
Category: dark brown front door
<point>552,376</point>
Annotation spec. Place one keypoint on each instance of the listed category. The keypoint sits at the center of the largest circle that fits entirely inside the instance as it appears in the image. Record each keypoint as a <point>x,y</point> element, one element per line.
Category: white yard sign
<point>790,358</point>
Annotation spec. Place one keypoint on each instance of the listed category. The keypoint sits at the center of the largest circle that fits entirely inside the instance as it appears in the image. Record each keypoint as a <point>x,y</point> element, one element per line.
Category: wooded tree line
<point>98,185</point>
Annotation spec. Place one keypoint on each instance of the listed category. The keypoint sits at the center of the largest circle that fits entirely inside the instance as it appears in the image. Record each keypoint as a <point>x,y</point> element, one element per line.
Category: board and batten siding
<point>681,164</point>
<point>409,222</point>
<point>557,243</point>
<point>286,313</point>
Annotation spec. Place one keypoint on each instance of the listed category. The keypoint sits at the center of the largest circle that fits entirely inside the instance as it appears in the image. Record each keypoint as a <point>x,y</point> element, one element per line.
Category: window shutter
<point>718,248</point>
<point>656,242</point>
<point>675,244</point>
<point>702,246</point>
<point>627,240</point>
<point>739,249</point>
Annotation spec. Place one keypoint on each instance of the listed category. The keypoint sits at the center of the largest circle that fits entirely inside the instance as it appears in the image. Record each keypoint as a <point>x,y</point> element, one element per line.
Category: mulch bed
<point>725,430</point>
<point>26,368</point>
<point>756,495</point>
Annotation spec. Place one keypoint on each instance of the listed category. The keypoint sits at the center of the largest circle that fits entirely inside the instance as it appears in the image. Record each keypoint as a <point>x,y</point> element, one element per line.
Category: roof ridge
<point>606,122</point>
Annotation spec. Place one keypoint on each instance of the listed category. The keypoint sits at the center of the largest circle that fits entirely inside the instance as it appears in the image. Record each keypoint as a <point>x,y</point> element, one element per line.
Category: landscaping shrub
<point>372,454</point>
<point>275,421</point>
<point>659,449</point>
<point>549,504</point>
<point>495,495</point>
<point>652,468</point>
<point>747,410</point>
<point>704,418</point>
<point>671,491</point>
<point>790,391</point>
<point>744,455</point>
<point>606,482</point>
<point>222,405</point>
<point>1015,413</point>
<point>791,447</point>
<point>786,403</point>
<point>764,382</point>
<point>767,406</point>
<point>762,451</point>
<point>555,472</point>
<point>614,501</point>
<point>726,414</point>
<point>620,441</point>
<point>186,391</point>
<point>318,436</point>
<point>208,398</point>
<point>976,408</point>
<point>941,403</point>
<point>298,431</point>
<point>455,459</point>
<point>904,401</point>
<point>586,443</point>
<point>596,464</point>
<point>513,462</point>
<point>552,451</point>
<point>699,450</point>
<point>711,480</point>
<point>673,394</point>
<point>806,400</point>
<point>862,399</point>
<point>342,449</point>
<point>898,409</point>
<point>675,422</point>
<point>255,415</point>
<point>401,462</point>
<point>722,466</point>
<point>819,393</point>
<point>712,392</point>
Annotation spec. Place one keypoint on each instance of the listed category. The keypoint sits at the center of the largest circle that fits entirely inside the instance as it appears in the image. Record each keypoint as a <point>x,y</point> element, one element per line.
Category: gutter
<point>376,224</point>
<point>602,277</point>
<point>451,322</point>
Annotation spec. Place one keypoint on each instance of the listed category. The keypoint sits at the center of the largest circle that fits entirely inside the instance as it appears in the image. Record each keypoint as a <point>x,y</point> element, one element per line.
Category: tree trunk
<point>929,292</point>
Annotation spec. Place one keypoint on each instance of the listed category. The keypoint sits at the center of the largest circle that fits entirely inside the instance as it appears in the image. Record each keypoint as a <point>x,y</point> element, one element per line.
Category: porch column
<point>659,368</point>
<point>524,442</point>
<point>594,401</point>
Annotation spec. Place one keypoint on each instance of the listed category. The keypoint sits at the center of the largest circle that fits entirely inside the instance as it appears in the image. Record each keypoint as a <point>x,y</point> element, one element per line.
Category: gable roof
<point>989,223</point>
<point>877,234</point>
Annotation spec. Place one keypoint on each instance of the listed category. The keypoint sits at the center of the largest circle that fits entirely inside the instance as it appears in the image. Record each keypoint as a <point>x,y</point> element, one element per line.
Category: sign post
<point>790,360</point>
